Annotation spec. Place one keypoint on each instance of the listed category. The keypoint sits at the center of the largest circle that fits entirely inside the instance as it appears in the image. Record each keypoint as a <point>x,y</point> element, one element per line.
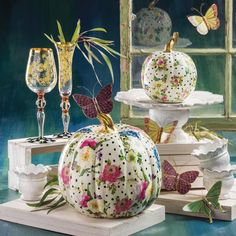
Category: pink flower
<point>65,175</point>
<point>110,173</point>
<point>123,205</point>
<point>141,190</point>
<point>160,63</point>
<point>84,200</point>
<point>164,98</point>
<point>89,142</point>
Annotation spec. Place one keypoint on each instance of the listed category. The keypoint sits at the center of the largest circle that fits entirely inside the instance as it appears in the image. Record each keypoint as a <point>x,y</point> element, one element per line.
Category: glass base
<point>41,140</point>
<point>63,135</point>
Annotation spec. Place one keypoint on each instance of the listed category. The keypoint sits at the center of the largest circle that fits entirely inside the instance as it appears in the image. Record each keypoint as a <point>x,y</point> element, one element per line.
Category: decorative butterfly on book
<point>174,181</point>
<point>92,106</point>
<point>207,203</point>
<point>155,131</point>
<point>204,23</point>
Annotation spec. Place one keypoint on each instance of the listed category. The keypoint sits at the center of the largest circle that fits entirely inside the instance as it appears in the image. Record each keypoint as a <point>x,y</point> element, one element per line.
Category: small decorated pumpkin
<point>151,27</point>
<point>169,76</point>
<point>108,170</point>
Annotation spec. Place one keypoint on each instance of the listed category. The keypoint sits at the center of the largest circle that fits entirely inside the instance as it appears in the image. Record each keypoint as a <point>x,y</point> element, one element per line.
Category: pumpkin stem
<point>169,46</point>
<point>152,4</point>
<point>107,122</point>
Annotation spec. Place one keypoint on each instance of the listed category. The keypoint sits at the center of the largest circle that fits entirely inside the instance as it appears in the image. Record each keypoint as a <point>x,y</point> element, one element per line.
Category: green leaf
<point>90,52</point>
<point>108,62</point>
<point>52,182</point>
<point>76,33</point>
<point>44,203</point>
<point>94,29</point>
<point>99,40</point>
<point>61,35</point>
<point>50,38</point>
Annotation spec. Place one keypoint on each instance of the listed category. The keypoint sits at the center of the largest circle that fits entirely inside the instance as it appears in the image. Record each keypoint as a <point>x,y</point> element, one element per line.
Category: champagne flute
<point>41,78</point>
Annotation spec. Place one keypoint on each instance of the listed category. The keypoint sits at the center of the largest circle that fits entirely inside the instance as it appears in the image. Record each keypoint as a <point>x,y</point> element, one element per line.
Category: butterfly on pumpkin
<point>204,23</point>
<point>93,106</point>
<point>174,181</point>
<point>156,132</point>
<point>208,203</point>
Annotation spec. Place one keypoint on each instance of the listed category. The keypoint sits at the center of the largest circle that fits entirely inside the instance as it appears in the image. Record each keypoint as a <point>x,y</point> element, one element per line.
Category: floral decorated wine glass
<point>41,78</point>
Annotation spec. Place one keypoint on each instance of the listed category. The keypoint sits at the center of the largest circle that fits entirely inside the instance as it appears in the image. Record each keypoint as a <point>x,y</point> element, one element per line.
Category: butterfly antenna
<point>195,9</point>
<point>201,6</point>
<point>86,90</point>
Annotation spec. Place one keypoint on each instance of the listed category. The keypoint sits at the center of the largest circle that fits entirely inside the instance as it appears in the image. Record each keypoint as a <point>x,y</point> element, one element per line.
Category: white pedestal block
<point>66,220</point>
<point>20,153</point>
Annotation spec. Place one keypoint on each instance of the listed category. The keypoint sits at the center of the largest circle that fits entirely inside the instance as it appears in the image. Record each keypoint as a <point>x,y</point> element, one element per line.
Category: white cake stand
<point>164,114</point>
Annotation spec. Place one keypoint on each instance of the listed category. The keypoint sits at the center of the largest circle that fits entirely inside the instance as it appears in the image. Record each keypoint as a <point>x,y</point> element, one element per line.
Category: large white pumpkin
<point>169,76</point>
<point>110,174</point>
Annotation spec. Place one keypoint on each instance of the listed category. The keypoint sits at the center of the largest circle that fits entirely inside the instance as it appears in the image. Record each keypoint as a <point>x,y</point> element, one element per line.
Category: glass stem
<point>65,106</point>
<point>41,103</point>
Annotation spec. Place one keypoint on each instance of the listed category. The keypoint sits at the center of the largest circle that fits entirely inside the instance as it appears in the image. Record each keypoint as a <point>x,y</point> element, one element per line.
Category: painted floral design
<point>123,205</point>
<point>65,175</point>
<point>176,80</point>
<point>141,189</point>
<point>111,173</point>
<point>84,200</point>
<point>160,63</point>
<point>96,206</point>
<point>89,143</point>
<point>166,75</point>
<point>151,27</point>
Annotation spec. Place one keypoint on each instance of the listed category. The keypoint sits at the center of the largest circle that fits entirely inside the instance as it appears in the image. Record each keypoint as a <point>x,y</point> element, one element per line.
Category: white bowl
<point>226,176</point>
<point>32,180</point>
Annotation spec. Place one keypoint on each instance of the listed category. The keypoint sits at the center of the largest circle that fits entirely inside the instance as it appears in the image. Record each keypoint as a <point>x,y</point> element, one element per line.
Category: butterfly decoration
<point>206,204</point>
<point>204,23</point>
<point>92,106</point>
<point>174,181</point>
<point>155,131</point>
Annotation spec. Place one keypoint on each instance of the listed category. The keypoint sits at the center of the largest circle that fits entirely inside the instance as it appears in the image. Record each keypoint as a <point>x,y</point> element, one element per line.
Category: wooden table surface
<point>173,225</point>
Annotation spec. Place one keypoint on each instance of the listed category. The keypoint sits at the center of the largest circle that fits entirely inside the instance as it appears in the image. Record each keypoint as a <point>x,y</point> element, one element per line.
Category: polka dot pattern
<point>151,27</point>
<point>110,175</point>
<point>169,77</point>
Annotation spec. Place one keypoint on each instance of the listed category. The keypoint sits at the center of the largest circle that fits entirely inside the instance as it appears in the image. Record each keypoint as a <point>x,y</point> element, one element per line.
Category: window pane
<point>234,86</point>
<point>151,27</point>
<point>234,24</point>
<point>211,75</point>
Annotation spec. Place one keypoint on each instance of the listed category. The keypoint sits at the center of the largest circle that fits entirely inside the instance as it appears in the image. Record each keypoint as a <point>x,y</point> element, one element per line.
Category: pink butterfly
<point>102,103</point>
<point>180,182</point>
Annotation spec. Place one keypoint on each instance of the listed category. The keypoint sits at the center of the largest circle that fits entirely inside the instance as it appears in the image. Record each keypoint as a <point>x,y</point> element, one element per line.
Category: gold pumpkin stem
<point>107,122</point>
<point>152,4</point>
<point>169,46</point>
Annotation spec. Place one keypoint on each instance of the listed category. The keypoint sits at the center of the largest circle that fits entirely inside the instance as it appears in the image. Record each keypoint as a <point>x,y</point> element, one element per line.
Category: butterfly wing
<point>199,206</point>
<point>199,22</point>
<point>214,194</point>
<point>104,99</point>
<point>87,105</point>
<point>195,20</point>
<point>169,129</point>
<point>211,17</point>
<point>169,176</point>
<point>153,130</point>
<point>184,182</point>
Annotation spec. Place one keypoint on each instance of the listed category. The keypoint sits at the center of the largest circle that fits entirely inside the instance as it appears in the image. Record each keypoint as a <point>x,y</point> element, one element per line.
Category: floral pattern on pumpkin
<point>65,175</point>
<point>121,181</point>
<point>176,81</point>
<point>110,174</point>
<point>160,63</point>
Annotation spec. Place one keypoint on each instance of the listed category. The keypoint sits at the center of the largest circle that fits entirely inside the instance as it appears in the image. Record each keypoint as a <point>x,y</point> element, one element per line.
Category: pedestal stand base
<point>66,220</point>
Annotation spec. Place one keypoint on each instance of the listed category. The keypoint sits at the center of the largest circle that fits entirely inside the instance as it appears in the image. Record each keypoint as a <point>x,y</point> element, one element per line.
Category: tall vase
<point>65,52</point>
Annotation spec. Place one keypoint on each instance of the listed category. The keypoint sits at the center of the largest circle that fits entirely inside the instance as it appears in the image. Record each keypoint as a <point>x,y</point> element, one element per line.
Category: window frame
<point>228,120</point>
